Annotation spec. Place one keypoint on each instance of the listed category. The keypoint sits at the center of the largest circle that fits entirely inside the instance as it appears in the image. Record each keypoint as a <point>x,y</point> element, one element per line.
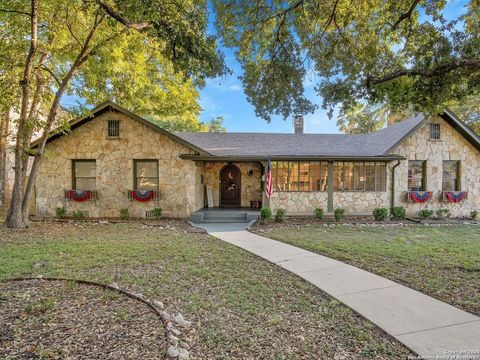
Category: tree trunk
<point>14,216</point>
<point>4,125</point>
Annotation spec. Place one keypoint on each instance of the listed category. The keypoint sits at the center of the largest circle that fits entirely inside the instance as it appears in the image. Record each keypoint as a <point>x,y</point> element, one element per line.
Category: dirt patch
<point>57,320</point>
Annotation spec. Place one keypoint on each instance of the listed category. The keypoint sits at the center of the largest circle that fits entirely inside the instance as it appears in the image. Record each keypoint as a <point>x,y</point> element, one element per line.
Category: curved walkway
<point>426,325</point>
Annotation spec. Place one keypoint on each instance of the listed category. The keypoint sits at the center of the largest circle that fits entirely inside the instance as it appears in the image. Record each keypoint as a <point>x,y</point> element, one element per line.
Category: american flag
<point>268,180</point>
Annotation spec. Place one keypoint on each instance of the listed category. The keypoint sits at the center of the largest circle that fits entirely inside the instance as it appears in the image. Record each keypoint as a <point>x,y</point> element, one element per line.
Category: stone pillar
<point>330,187</point>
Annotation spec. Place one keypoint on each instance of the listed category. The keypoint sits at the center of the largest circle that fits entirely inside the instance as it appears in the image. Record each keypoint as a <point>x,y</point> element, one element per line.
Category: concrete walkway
<point>425,325</point>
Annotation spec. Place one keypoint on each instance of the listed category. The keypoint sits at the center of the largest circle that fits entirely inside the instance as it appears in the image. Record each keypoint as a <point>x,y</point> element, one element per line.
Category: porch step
<point>224,216</point>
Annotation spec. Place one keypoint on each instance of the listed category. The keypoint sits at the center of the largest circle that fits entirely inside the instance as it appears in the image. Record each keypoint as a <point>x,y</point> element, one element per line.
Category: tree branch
<point>16,12</point>
<point>132,25</point>
<point>406,15</point>
<point>426,73</point>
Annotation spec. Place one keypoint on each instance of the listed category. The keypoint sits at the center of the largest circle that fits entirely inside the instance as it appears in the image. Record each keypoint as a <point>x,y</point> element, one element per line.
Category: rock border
<point>177,348</point>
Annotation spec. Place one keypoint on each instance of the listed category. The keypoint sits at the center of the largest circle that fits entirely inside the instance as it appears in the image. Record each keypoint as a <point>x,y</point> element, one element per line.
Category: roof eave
<point>108,105</point>
<point>291,157</point>
<point>461,127</point>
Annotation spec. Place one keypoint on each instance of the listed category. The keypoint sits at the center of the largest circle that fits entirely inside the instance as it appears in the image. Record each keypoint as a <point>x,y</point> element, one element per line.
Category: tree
<point>371,52</point>
<point>367,118</point>
<point>85,47</point>
<point>214,125</point>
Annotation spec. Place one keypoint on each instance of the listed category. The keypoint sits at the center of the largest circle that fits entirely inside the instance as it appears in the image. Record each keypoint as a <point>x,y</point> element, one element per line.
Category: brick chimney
<point>298,124</point>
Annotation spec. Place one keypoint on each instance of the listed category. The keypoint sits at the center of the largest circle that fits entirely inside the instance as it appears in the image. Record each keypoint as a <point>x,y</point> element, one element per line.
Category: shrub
<point>398,213</point>
<point>157,213</point>
<point>339,214</point>
<point>473,214</point>
<point>442,213</point>
<point>380,214</point>
<point>319,214</point>
<point>60,212</point>
<point>77,214</point>
<point>425,213</point>
<point>124,214</point>
<point>265,213</point>
<point>280,215</point>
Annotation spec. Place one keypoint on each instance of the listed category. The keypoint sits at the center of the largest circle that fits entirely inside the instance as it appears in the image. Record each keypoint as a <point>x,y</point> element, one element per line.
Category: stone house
<point>114,159</point>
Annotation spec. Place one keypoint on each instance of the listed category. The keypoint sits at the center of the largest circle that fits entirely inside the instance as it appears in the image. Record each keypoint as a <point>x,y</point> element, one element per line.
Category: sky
<point>224,97</point>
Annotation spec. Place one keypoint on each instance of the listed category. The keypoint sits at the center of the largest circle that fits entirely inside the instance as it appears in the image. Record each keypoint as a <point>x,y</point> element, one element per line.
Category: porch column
<point>330,187</point>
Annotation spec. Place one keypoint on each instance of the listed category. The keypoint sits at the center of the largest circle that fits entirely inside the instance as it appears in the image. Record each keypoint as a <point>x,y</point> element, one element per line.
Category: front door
<point>230,177</point>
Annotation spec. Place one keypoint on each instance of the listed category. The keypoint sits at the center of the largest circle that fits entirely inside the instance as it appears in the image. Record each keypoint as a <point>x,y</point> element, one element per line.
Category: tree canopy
<point>405,54</point>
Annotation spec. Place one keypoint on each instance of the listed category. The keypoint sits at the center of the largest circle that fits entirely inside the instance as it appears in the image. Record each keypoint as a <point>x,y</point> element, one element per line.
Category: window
<point>434,131</point>
<point>451,175</point>
<point>299,176</point>
<point>84,174</point>
<point>146,174</point>
<point>416,175</point>
<point>113,128</point>
<point>359,176</point>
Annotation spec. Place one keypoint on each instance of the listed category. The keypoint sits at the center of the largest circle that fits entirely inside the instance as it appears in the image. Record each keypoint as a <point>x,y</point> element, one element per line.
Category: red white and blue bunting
<point>456,196</point>
<point>79,195</point>
<point>420,196</point>
<point>142,195</point>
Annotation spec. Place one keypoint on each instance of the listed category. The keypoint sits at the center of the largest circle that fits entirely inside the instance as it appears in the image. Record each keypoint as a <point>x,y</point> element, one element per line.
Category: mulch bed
<point>59,320</point>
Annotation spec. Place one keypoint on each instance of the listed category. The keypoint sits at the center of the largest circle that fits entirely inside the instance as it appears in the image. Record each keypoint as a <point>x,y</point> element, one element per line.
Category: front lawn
<point>241,307</point>
<point>441,261</point>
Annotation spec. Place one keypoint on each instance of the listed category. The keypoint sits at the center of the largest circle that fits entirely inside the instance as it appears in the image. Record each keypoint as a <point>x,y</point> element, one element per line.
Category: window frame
<point>74,175</point>
<point>135,177</point>
<point>424,175</point>
<point>458,174</point>
<point>293,172</point>
<point>435,131</point>
<point>379,186</point>
<point>113,121</point>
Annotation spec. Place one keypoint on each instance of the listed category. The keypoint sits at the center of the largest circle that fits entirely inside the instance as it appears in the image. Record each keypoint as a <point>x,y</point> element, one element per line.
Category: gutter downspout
<point>392,196</point>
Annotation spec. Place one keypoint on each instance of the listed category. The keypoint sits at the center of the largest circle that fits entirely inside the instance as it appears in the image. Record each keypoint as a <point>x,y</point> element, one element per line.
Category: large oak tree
<point>403,54</point>
<point>146,54</point>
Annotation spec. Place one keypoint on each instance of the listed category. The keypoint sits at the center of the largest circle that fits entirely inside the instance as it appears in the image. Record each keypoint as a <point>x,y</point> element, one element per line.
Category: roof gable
<point>110,106</point>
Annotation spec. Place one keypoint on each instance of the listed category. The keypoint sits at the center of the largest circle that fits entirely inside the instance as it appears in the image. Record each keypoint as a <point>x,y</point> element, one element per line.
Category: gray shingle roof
<point>298,145</point>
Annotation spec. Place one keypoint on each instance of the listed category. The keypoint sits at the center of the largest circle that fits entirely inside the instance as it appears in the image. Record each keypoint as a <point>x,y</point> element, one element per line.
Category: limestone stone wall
<point>298,203</point>
<point>179,179</point>
<point>361,203</point>
<point>452,146</point>
<point>251,186</point>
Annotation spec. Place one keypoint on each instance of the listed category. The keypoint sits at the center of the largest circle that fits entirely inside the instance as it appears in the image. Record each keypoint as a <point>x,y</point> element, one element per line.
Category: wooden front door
<point>230,193</point>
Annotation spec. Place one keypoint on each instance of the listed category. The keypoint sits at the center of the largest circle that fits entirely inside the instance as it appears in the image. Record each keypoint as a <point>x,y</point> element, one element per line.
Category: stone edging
<point>177,348</point>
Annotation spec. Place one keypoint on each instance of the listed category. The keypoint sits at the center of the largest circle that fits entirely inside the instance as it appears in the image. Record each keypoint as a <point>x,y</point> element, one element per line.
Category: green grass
<point>442,261</point>
<point>241,306</point>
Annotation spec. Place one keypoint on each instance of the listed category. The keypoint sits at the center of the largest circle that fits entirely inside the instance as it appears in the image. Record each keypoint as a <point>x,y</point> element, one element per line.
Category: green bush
<point>442,213</point>
<point>339,214</point>
<point>398,213</point>
<point>60,212</point>
<point>78,215</point>
<point>380,214</point>
<point>425,213</point>
<point>473,214</point>
<point>265,213</point>
<point>280,215</point>
<point>157,213</point>
<point>319,214</point>
<point>124,214</point>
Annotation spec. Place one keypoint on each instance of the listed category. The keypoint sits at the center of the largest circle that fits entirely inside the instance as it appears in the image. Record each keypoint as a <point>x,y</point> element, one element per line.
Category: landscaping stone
<point>181,321</point>
<point>173,352</point>
<point>183,354</point>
